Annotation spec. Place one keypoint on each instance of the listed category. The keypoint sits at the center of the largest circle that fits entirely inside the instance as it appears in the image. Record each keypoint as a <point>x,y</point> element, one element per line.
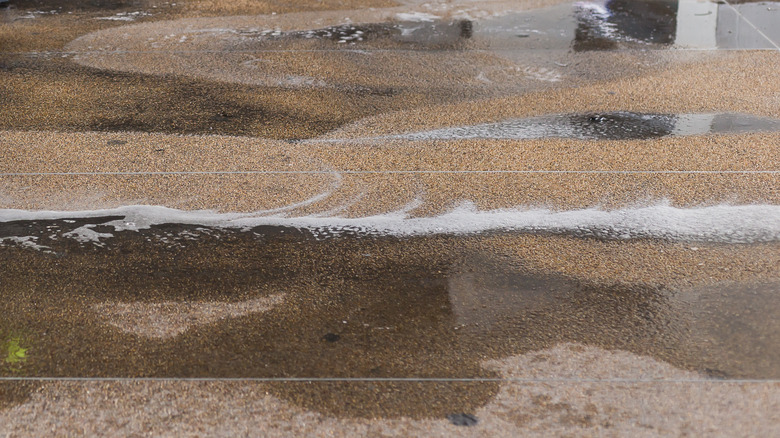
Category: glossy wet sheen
<point>352,307</point>
<point>621,125</point>
<point>424,35</point>
<point>676,300</point>
<point>605,25</point>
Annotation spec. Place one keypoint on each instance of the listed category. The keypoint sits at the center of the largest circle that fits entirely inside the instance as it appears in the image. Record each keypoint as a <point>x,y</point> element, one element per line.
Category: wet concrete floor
<point>352,306</point>
<point>590,186</point>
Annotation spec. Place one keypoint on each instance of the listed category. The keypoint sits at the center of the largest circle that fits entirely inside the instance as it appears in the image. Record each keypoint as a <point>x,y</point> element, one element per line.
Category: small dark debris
<point>221,117</point>
<point>463,419</point>
<point>466,28</point>
<point>331,337</point>
<point>159,150</point>
<point>523,35</point>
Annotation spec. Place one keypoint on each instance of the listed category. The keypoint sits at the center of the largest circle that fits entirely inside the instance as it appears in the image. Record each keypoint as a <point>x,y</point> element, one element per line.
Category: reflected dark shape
<point>619,125</point>
<point>428,306</point>
<point>602,27</point>
<point>651,21</point>
<point>466,28</point>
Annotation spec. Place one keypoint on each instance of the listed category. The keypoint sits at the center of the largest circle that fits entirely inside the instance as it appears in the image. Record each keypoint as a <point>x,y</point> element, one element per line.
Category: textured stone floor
<point>389,218</point>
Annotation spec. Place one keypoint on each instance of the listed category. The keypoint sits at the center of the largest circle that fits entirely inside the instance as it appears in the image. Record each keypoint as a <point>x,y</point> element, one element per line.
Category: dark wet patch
<point>621,125</point>
<point>420,307</point>
<point>80,5</point>
<point>56,94</point>
<point>646,21</point>
<point>462,419</point>
<point>15,393</point>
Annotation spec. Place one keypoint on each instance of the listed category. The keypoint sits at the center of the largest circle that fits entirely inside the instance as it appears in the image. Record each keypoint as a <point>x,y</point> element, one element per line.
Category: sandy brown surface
<point>168,319</point>
<point>56,94</point>
<point>650,408</point>
<point>24,152</point>
<point>720,81</point>
<point>391,175</point>
<point>228,106</point>
<point>416,195</point>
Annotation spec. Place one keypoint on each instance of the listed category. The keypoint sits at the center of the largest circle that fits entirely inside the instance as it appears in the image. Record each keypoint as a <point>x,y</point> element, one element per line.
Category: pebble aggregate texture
<point>228,107</point>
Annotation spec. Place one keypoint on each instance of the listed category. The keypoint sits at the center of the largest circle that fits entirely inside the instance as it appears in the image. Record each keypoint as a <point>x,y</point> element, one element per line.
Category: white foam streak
<point>416,17</point>
<point>720,223</point>
<point>23,241</point>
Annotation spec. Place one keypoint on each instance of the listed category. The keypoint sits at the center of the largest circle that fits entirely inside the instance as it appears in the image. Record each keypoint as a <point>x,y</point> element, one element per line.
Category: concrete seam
<point>386,172</point>
<point>380,379</point>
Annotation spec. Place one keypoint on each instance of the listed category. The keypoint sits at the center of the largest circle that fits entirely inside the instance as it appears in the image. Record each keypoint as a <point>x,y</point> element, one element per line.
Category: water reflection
<point>636,24</point>
<point>432,34</point>
<point>621,125</point>
<point>581,26</point>
<point>600,26</point>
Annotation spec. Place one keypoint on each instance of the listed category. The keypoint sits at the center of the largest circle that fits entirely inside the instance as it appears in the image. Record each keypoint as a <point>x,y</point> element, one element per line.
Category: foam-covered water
<point>719,223</point>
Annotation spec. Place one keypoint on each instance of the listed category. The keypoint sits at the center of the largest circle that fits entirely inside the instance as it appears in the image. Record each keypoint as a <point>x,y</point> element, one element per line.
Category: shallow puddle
<point>632,24</point>
<point>578,26</point>
<point>620,125</point>
<point>430,34</point>
<point>284,302</point>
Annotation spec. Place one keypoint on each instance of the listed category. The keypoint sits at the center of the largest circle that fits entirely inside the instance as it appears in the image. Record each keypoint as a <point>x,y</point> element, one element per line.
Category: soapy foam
<point>720,223</point>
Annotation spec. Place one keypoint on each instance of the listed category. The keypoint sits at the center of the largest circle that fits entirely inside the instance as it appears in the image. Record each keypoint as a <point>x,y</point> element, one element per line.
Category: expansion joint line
<point>382,172</point>
<point>385,379</point>
<point>357,51</point>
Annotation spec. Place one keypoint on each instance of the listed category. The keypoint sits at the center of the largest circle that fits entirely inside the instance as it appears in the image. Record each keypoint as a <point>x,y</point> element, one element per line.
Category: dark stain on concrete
<point>57,94</point>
